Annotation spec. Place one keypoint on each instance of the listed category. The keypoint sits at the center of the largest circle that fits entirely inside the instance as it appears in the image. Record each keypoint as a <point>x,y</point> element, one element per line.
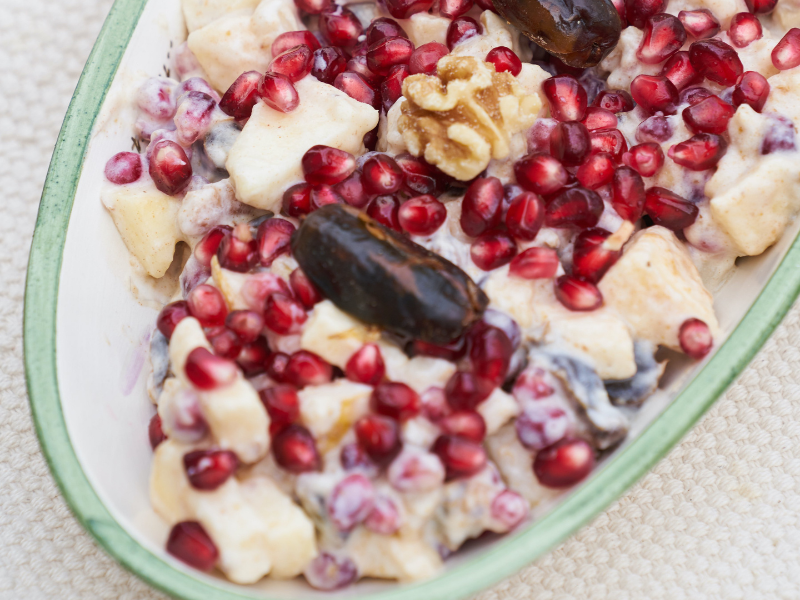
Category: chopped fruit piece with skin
<point>284,315</point>
<point>663,36</point>
<point>403,9</point>
<point>454,8</point>
<point>383,27</point>
<point>577,294</point>
<point>387,53</point>
<point>189,543</point>
<point>465,391</point>
<point>358,88</point>
<point>425,57</point>
<point>246,324</point>
<point>566,97</point>
<point>207,247</point>
<point>570,143</point>
<point>326,165</point>
<point>123,167</point>
<point>466,424</point>
<point>525,216</point>
<point>700,24</point>
<point>628,194</point>
<point>209,372</point>
<point>615,101</point>
<point>481,207</point>
<point>305,368</point>
<point>708,116</point>
<point>170,168</point>
<point>282,404</point>
<point>745,29</point>
<point>575,207</point>
<point>155,431</point>
<point>238,251</point>
<point>461,457</point>
<point>172,314</point>
<point>717,61</point>
<point>786,54</point>
<point>590,258</point>
<point>278,92</point>
<point>366,366</point>
<point>328,572</point>
<point>655,93</point>
<point>379,436</point>
<point>504,60</point>
<point>294,63</point>
<point>351,502</point>
<point>695,338</point>
<point>541,174</point>
<point>535,263</point>
<point>462,29</point>
<point>209,469</point>
<point>380,174</point>
<point>680,71</point>
<point>599,118</point>
<point>290,39</point>
<point>327,63</point>
<point>564,464</point>
<point>669,210</point>
<point>646,159</point>
<point>753,89</point>
<point>395,400</point>
<point>294,449</point>
<point>340,27</point>
<point>540,426</point>
<point>422,215</point>
<point>305,291</point>
<point>492,250</point>
<point>207,305</point>
<point>699,152</point>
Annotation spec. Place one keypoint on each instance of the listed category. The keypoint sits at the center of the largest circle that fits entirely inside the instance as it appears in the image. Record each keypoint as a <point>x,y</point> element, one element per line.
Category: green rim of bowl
<point>502,560</point>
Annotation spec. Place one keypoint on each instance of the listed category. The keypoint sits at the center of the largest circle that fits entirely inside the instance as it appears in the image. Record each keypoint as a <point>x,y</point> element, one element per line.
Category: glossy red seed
<point>209,469</point>
<point>574,207</point>
<point>646,159</point>
<point>208,246</point>
<point>761,6</point>
<point>380,174</point>
<point>155,432</point>
<point>695,338</point>
<point>596,171</point>
<point>295,450</point>
<point>451,351</point>
<point>693,95</point>
<point>278,92</point>
<point>532,384</point>
<point>490,354</point>
<point>663,36</point>
<point>326,165</point>
<point>422,215</point>
<point>305,291</point>
<point>388,52</point>
<point>305,368</point>
<point>329,572</point>
<point>425,57</point>
<point>577,294</point>
<point>383,27</point>
<point>384,518</point>
<point>509,507</point>
<point>340,27</point>
<point>282,403</point>
<point>314,7</point>
<point>395,400</point>
<point>609,141</point>
<point>668,209</point>
<point>628,196</point>
<point>460,457</point>
<point>465,391</point>
<point>492,250</point>
<point>564,464</point>
<point>504,60</point>
<point>207,305</point>
<point>599,118</point>
<point>466,424</point>
<point>481,207</point>
<point>238,251</point>
<point>358,64</point>
<point>294,63</point>
<point>224,342</point>
<point>462,29</point>
<point>541,426</point>
<point>745,29</point>
<point>208,372</point>
<point>290,39</point>
<point>355,86</point>
<point>786,54</point>
<point>189,543</point>
<point>708,116</point>
<point>700,23</point>
<point>170,168</point>
<point>385,210</point>
<point>350,502</point>
<point>420,177</point>
<point>717,61</point>
<point>379,436</point>
<point>246,324</point>
<point>680,71</point>
<point>169,317</point>
<point>366,365</point>
<point>254,357</point>
<point>570,143</point>
<point>619,5</point>
<point>655,93</point>
<point>352,191</point>
<point>780,136</point>
<point>699,152</point>
<point>123,167</point>
<point>616,101</point>
<point>257,286</point>
<point>392,86</point>
<point>654,129</point>
<point>297,200</point>
<point>566,97</point>
<point>327,62</point>
<point>284,315</point>
<point>638,11</point>
<point>541,174</point>
<point>454,8</point>
<point>352,456</point>
<point>525,216</point>
<point>539,135</point>
<point>322,195</point>
<point>273,239</point>
<point>276,366</point>
<point>753,89</point>
<point>403,9</point>
<point>590,260</point>
<point>535,263</point>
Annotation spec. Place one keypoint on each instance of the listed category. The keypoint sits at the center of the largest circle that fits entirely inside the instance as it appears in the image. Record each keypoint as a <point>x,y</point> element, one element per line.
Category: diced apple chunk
<point>199,13</point>
<point>403,557</point>
<point>330,410</point>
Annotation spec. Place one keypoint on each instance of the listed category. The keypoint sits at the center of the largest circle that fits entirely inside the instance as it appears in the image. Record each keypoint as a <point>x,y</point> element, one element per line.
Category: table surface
<point>719,517</point>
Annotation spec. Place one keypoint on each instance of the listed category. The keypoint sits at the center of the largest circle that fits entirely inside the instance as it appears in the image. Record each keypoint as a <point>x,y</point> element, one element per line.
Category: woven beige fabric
<point>718,518</point>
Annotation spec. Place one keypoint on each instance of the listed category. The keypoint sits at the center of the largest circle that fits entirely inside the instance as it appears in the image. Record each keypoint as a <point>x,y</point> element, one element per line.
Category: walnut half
<point>464,116</point>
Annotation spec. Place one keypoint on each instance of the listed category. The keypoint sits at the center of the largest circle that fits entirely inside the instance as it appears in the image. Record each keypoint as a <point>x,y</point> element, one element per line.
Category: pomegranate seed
<point>355,86</point>
<point>564,464</point>
<point>314,7</point>
<point>420,177</point>
<point>123,167</point>
<point>525,216</point>
<point>708,116</point>
<point>596,171</point>
<point>156,99</point>
<point>786,54</point>
<point>282,403</point>
<point>716,61</point>
<point>628,195</point>
<point>646,159</point>
<point>290,39</point>
<point>464,423</point>
<point>541,174</point>
<point>388,52</point>
<point>403,9</point>
<point>350,502</point>
<point>322,195</point>
<point>351,190</point>
<point>680,71</point>
<point>247,325</point>
<point>461,457</point>
<point>169,167</point>
<point>208,246</point>
<point>615,101</point>
<point>258,286</point>
<point>273,239</point>
<point>760,6</point>
<point>699,152</point>
<point>599,118</point>
<point>700,24</point>
<point>451,351</point>
<point>655,93</point>
<point>385,210</point>
<point>305,368</point>
<point>340,27</point>
<point>155,431</point>
<point>539,135</point>
<point>531,385</point>
<point>327,63</point>
<point>694,95</point>
<point>744,30</point>
<point>207,305</point>
<point>570,143</point>
<point>380,174</point>
<point>169,317</point>
<point>294,449</point>
<point>209,469</point>
<point>425,58</point>
<point>185,417</point>
<point>668,209</point>
<point>753,90</point>
<point>481,207</point>
<point>663,36</point>
<point>367,366</point>
<point>619,5</point>
<point>590,260</point>
<point>284,315</point>
<point>196,84</point>
<point>654,129</point>
<point>638,11</point>
<point>465,391</point>
<point>383,28</point>
<point>328,572</point>
<point>462,29</point>
<point>509,508</point>
<point>492,250</point>
<point>504,60</point>
<point>326,165</point>
<point>535,263</point>
<point>305,291</point>
<point>297,200</point>
<point>358,64</point>
<point>541,426</point>
<point>254,357</point>
<point>395,400</point>
<point>392,86</point>
<point>379,436</point>
<point>208,372</point>
<point>578,295</point>
<point>454,8</point>
<point>574,207</point>
<point>490,354</point>
<point>695,338</point>
<point>193,118</point>
<point>384,517</point>
<point>238,251</point>
<point>278,92</point>
<point>422,215</point>
<point>609,141</point>
<point>276,364</point>
<point>566,97</point>
<point>416,471</point>
<point>352,456</point>
<point>224,342</point>
<point>780,136</point>
<point>189,543</point>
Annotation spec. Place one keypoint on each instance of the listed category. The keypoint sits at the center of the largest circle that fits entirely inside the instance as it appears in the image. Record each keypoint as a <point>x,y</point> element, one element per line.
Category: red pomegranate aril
<point>451,351</point>
<point>305,368</point>
<point>242,96</point>
<point>384,517</point>
<point>492,250</point>
<point>577,294</point>
<point>366,366</point>
<point>170,168</point>
<point>380,174</point>
<point>646,159</point>
<point>621,9</point>
<point>169,317</point>
<point>254,357</point>
<point>209,372</point>
<point>541,426</point>
<point>422,215</point>
<point>379,436</point>
<point>708,116</point>
<point>717,61</point>
<point>290,39</point>
<point>655,93</point>
<point>760,6</point>
<point>385,210</point>
<point>564,464</point>
<point>590,260</point>
<point>535,263</point>
<point>403,9</point>
<point>358,64</point>
<point>680,71</point>
<point>297,200</point>
<point>462,29</point>
<point>654,129</point>
<point>461,457</point>
<point>156,99</point>
<point>383,27</point>
<point>465,391</point>
<point>504,60</point>
<point>744,30</point>
<point>283,314</point>
<point>224,342</point>
<point>699,152</point>
<point>628,195</point>
<point>340,27</point>
<point>609,141</point>
<point>352,191</point>
<point>615,101</point>
<point>238,251</point>
<point>780,136</point>
<point>295,450</point>
<point>350,502</point>
<point>695,338</point>
<point>395,400</point>
<point>575,207</point>
<point>207,305</point>
<point>490,354</point>
<point>786,53</point>
<point>209,469</point>
<point>257,286</point>
<point>355,86</point>
<point>327,63</point>
<point>541,173</point>
<point>208,246</point>
<point>539,135</point>
<point>570,143</point>
<point>420,177</point>
<point>566,97</point>
<point>509,507</point>
<point>596,171</point>
<point>525,216</point>
<point>305,291</point>
<point>388,52</point>
<point>481,207</point>
<point>352,457</point>
<point>123,167</point>
<point>638,11</point>
<point>314,7</point>
<point>599,118</point>
<point>278,92</point>
<point>694,95</point>
<point>322,195</point>
<point>273,239</point>
<point>752,89</point>
<point>328,572</point>
<point>663,36</point>
<point>155,431</point>
<point>326,165</point>
<point>189,543</point>
<point>392,86</point>
<point>464,423</point>
<point>454,8</point>
<point>700,24</point>
<point>246,324</point>
<point>668,209</point>
<point>532,385</point>
<point>425,58</point>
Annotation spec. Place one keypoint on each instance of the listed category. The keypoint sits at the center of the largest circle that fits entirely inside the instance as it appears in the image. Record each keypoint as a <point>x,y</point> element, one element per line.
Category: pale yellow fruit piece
<point>199,13</point>
<point>329,410</point>
<point>424,27</point>
<point>420,372</point>
<point>497,410</point>
<point>334,335</point>
<point>407,558</point>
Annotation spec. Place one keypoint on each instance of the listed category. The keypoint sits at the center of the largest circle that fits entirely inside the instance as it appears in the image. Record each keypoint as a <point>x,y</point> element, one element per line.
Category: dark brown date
<point>384,279</point>
<point>579,32</point>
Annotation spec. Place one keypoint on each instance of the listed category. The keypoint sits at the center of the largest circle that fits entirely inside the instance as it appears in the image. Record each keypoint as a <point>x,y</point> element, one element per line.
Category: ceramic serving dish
<point>88,321</point>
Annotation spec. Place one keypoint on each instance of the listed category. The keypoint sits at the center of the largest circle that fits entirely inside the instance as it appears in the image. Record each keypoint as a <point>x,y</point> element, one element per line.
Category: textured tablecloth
<point>718,518</point>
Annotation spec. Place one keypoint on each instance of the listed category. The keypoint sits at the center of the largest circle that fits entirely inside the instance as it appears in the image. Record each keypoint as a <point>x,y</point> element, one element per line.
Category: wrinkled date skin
<point>384,279</point>
<point>579,32</point>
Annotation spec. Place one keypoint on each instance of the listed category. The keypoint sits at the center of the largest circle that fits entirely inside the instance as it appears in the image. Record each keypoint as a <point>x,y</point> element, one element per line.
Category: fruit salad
<point>434,256</point>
